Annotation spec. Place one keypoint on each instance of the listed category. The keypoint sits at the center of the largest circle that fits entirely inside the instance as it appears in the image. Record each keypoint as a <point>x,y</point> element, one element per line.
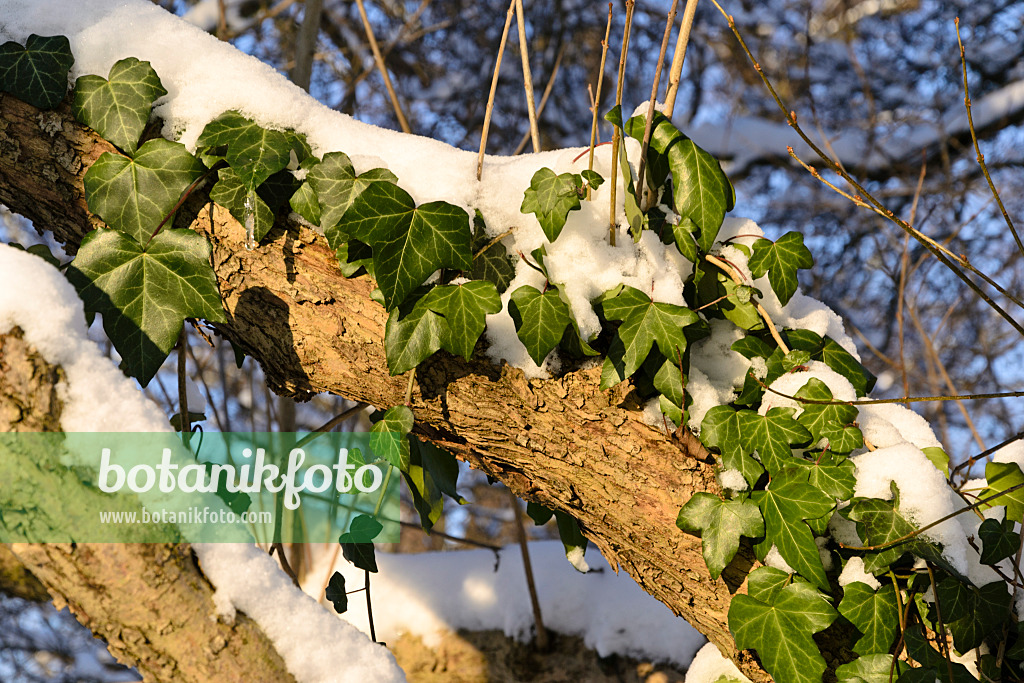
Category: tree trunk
<point>561,442</point>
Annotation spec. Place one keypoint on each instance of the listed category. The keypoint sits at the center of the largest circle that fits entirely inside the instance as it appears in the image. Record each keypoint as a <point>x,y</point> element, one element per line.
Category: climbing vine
<point>786,469</point>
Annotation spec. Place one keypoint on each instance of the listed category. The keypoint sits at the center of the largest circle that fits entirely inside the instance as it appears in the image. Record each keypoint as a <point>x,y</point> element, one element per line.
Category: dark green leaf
<point>593,178</point>
<point>931,659</point>
<point>1002,477</point>
<point>409,242</point>
<point>785,505</point>
<point>336,594</point>
<point>781,630</point>
<point>254,152</point>
<point>999,540</point>
<point>876,668</point>
<point>983,613</point>
<point>540,320</point>
<point>879,523</point>
<point>720,524</point>
<point>493,264</point>
<point>441,464</point>
<point>832,421</point>
<point>722,428</point>
<point>538,513</point>
<point>551,197</point>
<point>306,203</point>
<point>145,294</point>
<point>431,473</point>
<point>781,259</point>
<point>772,436</point>
<point>118,108</point>
<point>833,474</point>
<point>412,338</point>
<point>573,540</point>
<point>336,185</point>
<point>361,555</point>
<point>685,234</point>
<point>840,360</point>
<point>874,613</point>
<point>388,437</point>
<point>244,204</point>
<point>135,195</point>
<point>465,308</point>
<point>40,250</point>
<point>38,72</point>
<point>644,323</point>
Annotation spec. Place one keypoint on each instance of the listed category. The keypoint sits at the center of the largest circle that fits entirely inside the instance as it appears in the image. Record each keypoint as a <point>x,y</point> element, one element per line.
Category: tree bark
<point>560,442</point>
<point>149,602</point>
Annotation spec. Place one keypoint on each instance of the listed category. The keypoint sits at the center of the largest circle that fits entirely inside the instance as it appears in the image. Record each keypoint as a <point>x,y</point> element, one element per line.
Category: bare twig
<point>186,422</point>
<point>544,97</point>
<point>596,96</point>
<point>678,56</point>
<point>738,279</point>
<point>649,124</point>
<point>494,241</point>
<point>524,52</point>
<point>494,87</point>
<point>331,424</point>
<point>901,290</point>
<point>379,60</point>
<point>612,224</point>
<point>538,619</point>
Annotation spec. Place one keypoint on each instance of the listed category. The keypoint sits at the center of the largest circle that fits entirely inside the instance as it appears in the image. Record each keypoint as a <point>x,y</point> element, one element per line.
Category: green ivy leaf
<point>255,153</point>
<point>780,629</point>
<point>432,472</point>
<point>634,216</point>
<point>832,421</point>
<point>551,197</point>
<point>118,108</point>
<point>38,72</point>
<point>593,178</point>
<point>412,338</point>
<point>833,474</point>
<point>573,540</point>
<point>336,186</point>
<point>388,437</point>
<point>40,250</point>
<point>493,264</point>
<point>999,540</point>
<point>336,594</point>
<point>684,235</point>
<point>1001,477</point>
<point>720,524</point>
<point>772,436</point>
<point>781,259</point>
<point>932,660</point>
<point>231,193</point>
<point>306,203</point>
<point>722,428</point>
<point>981,614</point>
<point>785,505</point>
<point>465,308</point>
<point>134,195</point>
<point>874,613</point>
<point>644,323</point>
<point>540,514</point>
<point>939,458</point>
<point>409,242</point>
<point>876,668</point>
<point>144,294</point>
<point>357,545</point>
<point>828,351</point>
<point>700,189</point>
<point>540,320</point>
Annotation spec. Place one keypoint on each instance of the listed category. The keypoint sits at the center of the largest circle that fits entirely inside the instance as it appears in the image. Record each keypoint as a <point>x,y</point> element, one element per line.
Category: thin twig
<point>538,619</point>
<point>305,44</point>
<point>977,148</point>
<point>379,60</point>
<point>649,124</point>
<point>901,289</point>
<point>331,424</point>
<point>617,135</point>
<point>984,454</point>
<point>494,241</point>
<point>494,87</point>
<point>408,388</point>
<point>900,399</point>
<point>524,53</point>
<point>678,56</point>
<point>596,96</point>
<point>738,279</point>
<point>186,422</point>
<point>544,97</point>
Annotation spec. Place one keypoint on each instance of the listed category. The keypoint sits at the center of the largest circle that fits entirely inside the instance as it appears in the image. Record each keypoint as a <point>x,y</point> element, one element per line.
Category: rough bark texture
<point>560,442</point>
<point>149,602</point>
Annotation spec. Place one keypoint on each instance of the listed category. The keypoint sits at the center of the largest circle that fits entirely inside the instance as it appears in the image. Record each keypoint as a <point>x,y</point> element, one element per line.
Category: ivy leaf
<point>144,294</point>
<point>983,614</point>
<point>939,458</point>
<point>336,594</point>
<point>932,661</point>
<point>409,242</point>
<point>551,197</point>
<point>772,436</point>
<point>441,464</point>
<point>231,193</point>
<point>780,629</point>
<point>357,542</point>
<point>388,437</point>
<point>540,514</point>
<point>1001,477</point>
<point>306,203</point>
<point>999,540</point>
<point>781,259</point>
<point>432,472</point>
<point>875,668</point>
<point>785,505</point>
<point>134,195</point>
<point>412,338</point>
<point>722,428</point>
<point>540,320</point>
<point>700,189</point>
<point>118,108</point>
<point>644,323</point>
<point>493,264</point>
<point>828,351</point>
<point>720,524</point>
<point>38,72</point>
<point>832,421</point>
<point>573,541</point>
<point>833,474</point>
<point>465,308</point>
<point>874,613</point>
<point>880,523</point>
<point>254,152</point>
<point>684,235</point>
<point>336,185</point>
<point>634,216</point>
<point>593,178</point>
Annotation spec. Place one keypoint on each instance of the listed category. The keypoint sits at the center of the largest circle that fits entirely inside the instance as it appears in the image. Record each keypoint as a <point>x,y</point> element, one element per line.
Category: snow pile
<point>427,594</point>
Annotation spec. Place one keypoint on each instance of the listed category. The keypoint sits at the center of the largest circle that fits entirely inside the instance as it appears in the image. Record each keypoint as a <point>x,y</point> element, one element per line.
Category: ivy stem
<point>369,605</point>
<point>596,96</point>
<point>940,636</point>
<point>493,242</point>
<point>649,123</point>
<point>678,56</point>
<point>408,388</point>
<point>733,273</point>
<point>617,134</point>
<point>494,87</point>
